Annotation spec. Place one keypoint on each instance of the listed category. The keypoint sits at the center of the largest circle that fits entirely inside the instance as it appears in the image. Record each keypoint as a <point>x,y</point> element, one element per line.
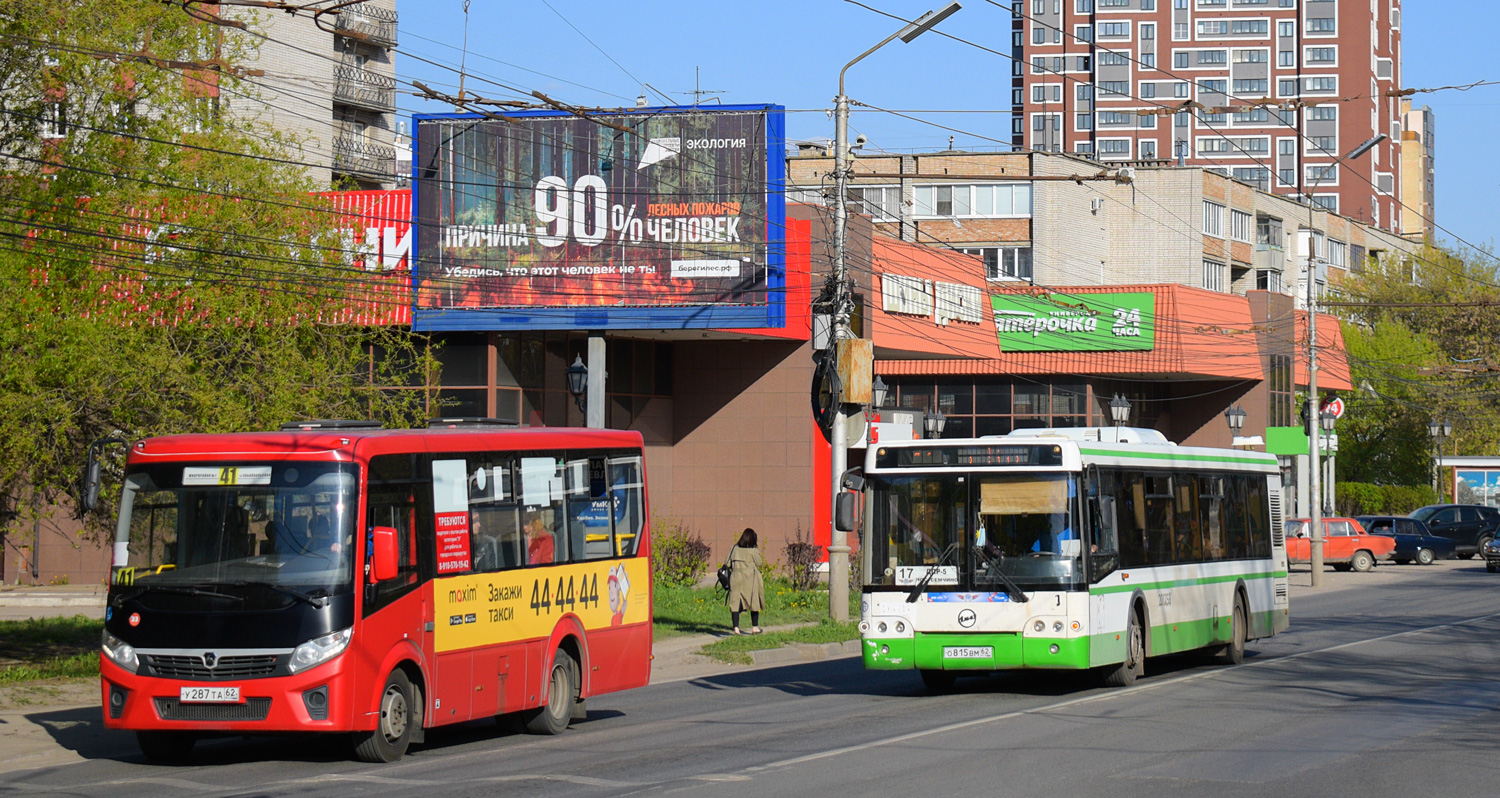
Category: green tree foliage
<point>1419,346</point>
<point>163,266</point>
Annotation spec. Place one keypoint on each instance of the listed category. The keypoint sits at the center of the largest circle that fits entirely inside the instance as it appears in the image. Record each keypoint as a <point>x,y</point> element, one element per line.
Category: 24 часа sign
<point>1075,322</point>
<point>667,207</point>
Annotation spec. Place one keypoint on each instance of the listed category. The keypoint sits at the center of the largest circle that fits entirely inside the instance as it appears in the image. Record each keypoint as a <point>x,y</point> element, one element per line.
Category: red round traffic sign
<point>1334,406</point>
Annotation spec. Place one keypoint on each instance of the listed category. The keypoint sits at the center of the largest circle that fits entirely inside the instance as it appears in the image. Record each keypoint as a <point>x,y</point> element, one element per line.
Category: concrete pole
<point>595,397</point>
<point>838,542</point>
<point>1315,429</point>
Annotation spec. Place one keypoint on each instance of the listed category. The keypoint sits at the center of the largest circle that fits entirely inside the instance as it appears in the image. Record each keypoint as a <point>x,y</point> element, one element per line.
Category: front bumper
<point>320,699</point>
<point>1008,651</point>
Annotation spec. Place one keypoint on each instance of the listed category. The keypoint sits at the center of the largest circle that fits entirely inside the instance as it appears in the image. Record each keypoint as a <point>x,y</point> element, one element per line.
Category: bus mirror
<point>846,511</point>
<point>91,478</point>
<point>385,555</point>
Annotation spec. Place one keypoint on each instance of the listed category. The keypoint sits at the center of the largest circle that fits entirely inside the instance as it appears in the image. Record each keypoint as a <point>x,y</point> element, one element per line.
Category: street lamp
<point>1235,417</point>
<point>1315,515</point>
<point>1119,411</point>
<point>1326,421</point>
<point>838,549</point>
<point>1439,430</point>
<point>578,382</point>
<point>878,392</point>
<point>934,424</point>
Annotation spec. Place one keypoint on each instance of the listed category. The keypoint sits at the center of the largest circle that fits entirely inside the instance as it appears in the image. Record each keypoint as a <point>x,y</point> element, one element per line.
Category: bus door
<point>456,597</point>
<point>397,612</point>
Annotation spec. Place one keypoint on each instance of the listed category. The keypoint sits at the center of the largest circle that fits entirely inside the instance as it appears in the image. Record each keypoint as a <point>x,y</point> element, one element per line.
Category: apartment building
<point>1270,92</point>
<point>1060,220</point>
<point>1418,134</point>
<point>331,81</point>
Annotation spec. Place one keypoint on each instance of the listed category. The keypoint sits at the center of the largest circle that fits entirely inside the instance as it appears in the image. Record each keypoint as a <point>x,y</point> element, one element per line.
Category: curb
<point>12,600</point>
<point>804,652</point>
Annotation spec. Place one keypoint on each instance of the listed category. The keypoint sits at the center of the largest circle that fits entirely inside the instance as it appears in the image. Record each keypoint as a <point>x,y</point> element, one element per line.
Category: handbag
<point>725,572</point>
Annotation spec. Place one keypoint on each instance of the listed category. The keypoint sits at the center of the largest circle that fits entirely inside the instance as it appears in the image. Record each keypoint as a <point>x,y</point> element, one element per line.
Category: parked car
<point>1491,553</point>
<point>1471,525</point>
<point>1346,544</point>
<point>1414,541</point>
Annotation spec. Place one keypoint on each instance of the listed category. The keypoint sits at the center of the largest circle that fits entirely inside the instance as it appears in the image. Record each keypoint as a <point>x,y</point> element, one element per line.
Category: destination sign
<point>969,455</point>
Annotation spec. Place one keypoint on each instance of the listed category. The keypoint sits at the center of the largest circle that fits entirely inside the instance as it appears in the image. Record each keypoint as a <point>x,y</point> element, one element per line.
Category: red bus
<point>339,577</point>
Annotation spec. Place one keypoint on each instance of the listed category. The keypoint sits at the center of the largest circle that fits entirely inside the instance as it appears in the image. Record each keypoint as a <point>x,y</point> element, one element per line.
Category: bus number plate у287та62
<point>210,695</point>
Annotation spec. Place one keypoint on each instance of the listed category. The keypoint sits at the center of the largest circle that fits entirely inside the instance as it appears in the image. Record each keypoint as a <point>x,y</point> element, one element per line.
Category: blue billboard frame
<point>771,315</point>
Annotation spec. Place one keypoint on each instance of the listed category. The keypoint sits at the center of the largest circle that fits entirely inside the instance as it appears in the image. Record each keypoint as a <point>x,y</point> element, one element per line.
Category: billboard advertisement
<point>649,218</point>
<point>376,242</point>
<point>1114,322</point>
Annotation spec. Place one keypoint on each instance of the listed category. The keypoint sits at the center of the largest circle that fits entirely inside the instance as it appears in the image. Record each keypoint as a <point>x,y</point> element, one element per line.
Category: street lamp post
<point>1119,412</point>
<point>838,549</point>
<point>1439,430</point>
<point>1326,421</point>
<point>1315,515</point>
<point>934,424</point>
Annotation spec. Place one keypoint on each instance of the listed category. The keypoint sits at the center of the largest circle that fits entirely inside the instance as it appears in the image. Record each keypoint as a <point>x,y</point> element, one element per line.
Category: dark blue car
<point>1414,542</point>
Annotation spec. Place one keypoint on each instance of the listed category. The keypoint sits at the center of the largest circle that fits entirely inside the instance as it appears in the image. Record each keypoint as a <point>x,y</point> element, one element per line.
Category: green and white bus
<point>1054,549</point>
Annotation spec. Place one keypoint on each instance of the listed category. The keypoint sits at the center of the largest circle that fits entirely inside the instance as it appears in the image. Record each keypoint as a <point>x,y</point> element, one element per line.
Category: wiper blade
<point>318,601</point>
<point>911,598</point>
<point>186,590</point>
<point>997,567</point>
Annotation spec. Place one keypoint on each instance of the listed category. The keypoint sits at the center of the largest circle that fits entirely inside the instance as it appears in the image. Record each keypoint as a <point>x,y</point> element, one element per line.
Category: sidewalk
<point>19,602</point>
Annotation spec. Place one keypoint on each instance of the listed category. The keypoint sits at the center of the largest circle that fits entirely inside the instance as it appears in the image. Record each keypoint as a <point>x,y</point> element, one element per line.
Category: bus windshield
<point>289,526</point>
<point>976,532</point>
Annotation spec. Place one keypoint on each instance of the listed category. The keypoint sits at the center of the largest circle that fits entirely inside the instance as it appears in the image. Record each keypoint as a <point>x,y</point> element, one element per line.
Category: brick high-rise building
<point>1312,77</point>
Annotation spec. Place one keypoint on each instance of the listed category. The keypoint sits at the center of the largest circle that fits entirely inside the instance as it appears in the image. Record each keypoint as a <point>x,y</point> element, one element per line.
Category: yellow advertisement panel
<point>486,609</point>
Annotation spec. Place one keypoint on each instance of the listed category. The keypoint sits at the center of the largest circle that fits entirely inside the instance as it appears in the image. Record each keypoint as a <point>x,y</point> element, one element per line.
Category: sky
<point>605,54</point>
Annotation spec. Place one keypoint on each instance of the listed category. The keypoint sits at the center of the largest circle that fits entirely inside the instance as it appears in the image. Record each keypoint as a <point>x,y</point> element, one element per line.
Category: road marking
<point>917,735</point>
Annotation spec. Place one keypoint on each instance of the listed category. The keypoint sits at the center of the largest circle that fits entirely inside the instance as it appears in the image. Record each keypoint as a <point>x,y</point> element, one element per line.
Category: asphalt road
<point>1387,687</point>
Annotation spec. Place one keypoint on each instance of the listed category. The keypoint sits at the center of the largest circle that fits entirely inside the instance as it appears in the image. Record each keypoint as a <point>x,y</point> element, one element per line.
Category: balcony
<point>363,160</point>
<point>374,25</point>
<point>364,89</point>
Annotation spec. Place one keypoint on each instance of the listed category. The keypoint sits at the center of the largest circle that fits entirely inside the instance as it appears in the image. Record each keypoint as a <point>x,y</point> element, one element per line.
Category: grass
<point>47,648</point>
<point>736,650</point>
<point>700,610</point>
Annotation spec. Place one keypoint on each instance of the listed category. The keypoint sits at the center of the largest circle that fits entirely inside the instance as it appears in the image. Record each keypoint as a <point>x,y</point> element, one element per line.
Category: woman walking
<point>746,588</point>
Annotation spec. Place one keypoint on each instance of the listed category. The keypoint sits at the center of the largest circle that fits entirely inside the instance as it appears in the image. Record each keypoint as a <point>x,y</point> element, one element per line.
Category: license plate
<point>210,695</point>
<point>968,652</point>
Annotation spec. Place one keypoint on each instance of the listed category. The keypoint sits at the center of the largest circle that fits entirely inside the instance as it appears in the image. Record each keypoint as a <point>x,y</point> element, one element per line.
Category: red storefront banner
<point>377,257</point>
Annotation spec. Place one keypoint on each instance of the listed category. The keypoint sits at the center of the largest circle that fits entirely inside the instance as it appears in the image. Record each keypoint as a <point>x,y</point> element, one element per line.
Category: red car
<point>1346,544</point>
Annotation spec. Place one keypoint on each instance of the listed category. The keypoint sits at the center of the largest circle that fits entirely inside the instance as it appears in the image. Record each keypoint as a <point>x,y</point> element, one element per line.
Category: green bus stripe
<point>1206,580</point>
<point>1205,458</point>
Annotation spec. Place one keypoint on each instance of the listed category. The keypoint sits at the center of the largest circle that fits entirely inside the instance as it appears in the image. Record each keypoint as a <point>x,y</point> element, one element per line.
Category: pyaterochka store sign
<point>546,210</point>
<point>1075,322</point>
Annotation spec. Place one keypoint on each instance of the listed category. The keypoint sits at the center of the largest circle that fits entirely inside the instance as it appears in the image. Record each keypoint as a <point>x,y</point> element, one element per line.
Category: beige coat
<point>747,590</point>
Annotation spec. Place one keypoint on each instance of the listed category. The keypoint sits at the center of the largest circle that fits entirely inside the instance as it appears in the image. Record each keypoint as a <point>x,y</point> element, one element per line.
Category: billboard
<point>650,218</point>
<point>376,242</point>
<point>1049,322</point>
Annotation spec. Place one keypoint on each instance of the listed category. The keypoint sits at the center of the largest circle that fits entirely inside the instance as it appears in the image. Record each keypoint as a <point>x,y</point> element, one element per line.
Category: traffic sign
<point>1334,406</point>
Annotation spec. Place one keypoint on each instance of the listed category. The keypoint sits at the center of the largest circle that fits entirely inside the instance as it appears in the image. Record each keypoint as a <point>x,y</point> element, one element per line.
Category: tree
<point>1424,344</point>
<point>163,265</point>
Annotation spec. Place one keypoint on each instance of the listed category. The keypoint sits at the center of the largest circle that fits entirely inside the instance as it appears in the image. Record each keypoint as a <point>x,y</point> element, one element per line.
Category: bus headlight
<point>882,627</point>
<point>120,652</point>
<point>319,650</point>
<point>1039,626</point>
<point>900,627</point>
<point>1057,626</point>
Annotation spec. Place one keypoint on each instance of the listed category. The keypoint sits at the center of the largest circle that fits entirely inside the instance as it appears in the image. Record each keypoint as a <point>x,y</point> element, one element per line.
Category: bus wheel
<point>166,746</point>
<point>938,681</point>
<point>1362,561</point>
<point>1134,666</point>
<point>1234,653</point>
<point>392,734</point>
<point>562,691</point>
<point>1425,556</point>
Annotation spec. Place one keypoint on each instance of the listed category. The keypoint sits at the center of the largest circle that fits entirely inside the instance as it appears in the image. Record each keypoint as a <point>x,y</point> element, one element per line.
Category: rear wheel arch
<point>569,636</point>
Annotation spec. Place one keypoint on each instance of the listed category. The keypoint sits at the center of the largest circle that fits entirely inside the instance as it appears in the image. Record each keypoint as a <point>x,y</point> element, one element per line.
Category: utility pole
<point>1314,426</point>
<point>838,548</point>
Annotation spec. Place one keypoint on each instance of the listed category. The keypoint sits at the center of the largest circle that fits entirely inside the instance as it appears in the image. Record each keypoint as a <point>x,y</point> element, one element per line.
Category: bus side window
<point>627,497</point>
<point>1131,500</point>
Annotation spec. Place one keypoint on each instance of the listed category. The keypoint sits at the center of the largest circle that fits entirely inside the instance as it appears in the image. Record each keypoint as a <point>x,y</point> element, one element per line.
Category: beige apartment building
<point>1418,197</point>
<point>332,83</point>
<point>1061,220</point>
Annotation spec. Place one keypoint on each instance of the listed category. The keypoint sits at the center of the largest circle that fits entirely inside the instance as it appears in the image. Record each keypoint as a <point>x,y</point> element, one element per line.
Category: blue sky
<point>791,52</point>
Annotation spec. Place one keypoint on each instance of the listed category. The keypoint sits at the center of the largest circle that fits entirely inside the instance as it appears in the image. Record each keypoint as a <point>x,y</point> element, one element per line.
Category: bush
<point>679,557</point>
<point>1359,498</point>
<point>801,563</point>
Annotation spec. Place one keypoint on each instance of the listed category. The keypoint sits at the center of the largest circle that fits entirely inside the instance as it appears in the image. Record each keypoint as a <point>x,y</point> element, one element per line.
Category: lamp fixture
<point>934,424</point>
<point>578,382</point>
<point>1235,416</point>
